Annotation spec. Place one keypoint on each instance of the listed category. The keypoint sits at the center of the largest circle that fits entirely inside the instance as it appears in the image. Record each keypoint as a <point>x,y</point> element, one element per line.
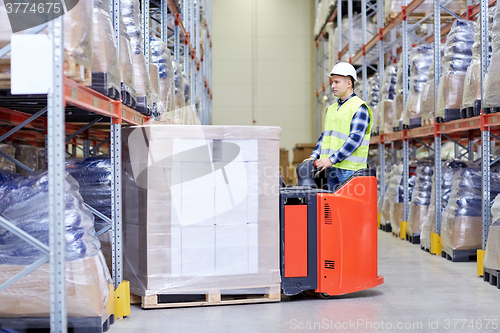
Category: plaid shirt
<point>359,125</point>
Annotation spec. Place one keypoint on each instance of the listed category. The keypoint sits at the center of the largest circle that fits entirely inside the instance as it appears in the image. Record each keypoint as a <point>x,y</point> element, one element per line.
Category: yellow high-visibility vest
<point>337,130</point>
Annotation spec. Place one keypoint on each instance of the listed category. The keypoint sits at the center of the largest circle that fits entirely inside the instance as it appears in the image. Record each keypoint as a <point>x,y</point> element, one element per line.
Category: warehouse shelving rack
<point>73,108</point>
<point>196,56</point>
<point>462,132</point>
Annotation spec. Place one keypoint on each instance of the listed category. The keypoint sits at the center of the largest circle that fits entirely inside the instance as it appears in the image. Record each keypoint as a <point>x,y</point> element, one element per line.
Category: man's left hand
<point>323,163</point>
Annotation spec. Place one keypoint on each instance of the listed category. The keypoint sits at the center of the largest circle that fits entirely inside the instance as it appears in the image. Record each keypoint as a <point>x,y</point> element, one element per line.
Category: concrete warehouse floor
<point>421,293</point>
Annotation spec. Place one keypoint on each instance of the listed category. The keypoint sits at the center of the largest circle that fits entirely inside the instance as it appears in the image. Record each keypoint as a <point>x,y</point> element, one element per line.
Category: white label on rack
<point>469,76</point>
<point>74,93</point>
<point>31,64</point>
<point>124,113</point>
<point>96,102</point>
<point>426,92</point>
<point>111,109</point>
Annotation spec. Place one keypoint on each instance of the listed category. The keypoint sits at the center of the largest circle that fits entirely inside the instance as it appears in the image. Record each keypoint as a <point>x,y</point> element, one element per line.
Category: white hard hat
<point>344,69</point>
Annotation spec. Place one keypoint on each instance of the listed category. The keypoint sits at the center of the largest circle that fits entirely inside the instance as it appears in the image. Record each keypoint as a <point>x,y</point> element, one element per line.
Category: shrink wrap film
<point>387,94</point>
<point>89,290</point>
<point>421,199</point>
<point>421,58</point>
<point>492,89</point>
<point>462,220</point>
<point>105,49</point>
<point>182,232</point>
<point>456,60</point>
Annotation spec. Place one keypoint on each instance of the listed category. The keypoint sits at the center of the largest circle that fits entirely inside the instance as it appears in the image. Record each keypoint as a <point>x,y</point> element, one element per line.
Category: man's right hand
<point>309,159</point>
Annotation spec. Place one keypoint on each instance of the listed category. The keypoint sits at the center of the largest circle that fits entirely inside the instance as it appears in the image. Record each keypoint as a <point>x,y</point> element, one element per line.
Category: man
<point>343,146</point>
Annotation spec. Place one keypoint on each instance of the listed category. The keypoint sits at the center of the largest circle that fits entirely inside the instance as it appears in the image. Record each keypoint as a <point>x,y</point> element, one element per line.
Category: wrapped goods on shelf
<point>397,108</point>
<point>187,90</point>
<point>393,206</point>
<point>456,60</point>
<point>323,11</point>
<point>472,85</point>
<point>357,36</point>
<point>126,66</point>
<point>160,56</point>
<point>331,58</point>
<point>186,228</point>
<point>491,257</point>
<point>388,174</point>
<point>180,100</point>
<point>421,198</point>
<point>89,290</point>
<point>131,16</point>
<point>373,99</point>
<point>387,94</point>
<point>427,96</point>
<point>421,58</point>
<point>23,201</point>
<point>78,40</point>
<point>106,74</point>
<point>448,170</point>
<point>94,177</point>
<point>492,89</point>
<point>462,220</point>
<point>27,155</point>
<point>393,7</point>
<point>5,164</point>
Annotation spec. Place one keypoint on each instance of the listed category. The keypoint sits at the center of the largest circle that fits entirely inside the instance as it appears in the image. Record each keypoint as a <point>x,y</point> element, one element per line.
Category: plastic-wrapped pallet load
<point>27,155</point>
<point>421,198</point>
<point>106,75</point>
<point>5,164</point>
<point>186,228</point>
<point>373,98</point>
<point>462,221</point>
<point>160,56</point>
<point>393,7</point>
<point>388,174</point>
<point>129,96</point>
<point>78,41</point>
<point>94,177</point>
<point>492,89</point>
<point>131,16</point>
<point>180,100</point>
<point>393,206</point>
<point>471,101</point>
<point>421,58</point>
<point>427,104</point>
<point>491,257</point>
<point>397,105</point>
<point>456,60</point>
<point>387,94</point>
<point>89,292</point>
<point>357,35</point>
<point>448,170</point>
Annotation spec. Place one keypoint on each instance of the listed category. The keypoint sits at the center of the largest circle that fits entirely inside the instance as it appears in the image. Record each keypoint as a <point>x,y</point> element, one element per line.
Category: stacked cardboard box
<point>201,208</point>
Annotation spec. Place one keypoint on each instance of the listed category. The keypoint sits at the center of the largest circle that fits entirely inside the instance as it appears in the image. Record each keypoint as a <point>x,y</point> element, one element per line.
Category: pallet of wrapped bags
<point>78,44</point>
<point>26,303</point>
<point>456,60</point>
<point>421,58</point>
<point>491,101</point>
<point>387,94</point>
<point>420,201</point>
<point>462,225</point>
<point>397,105</point>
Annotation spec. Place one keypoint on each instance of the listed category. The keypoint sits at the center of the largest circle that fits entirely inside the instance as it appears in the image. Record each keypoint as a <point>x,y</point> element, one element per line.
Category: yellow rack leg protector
<point>122,300</point>
<point>435,244</point>
<point>480,262</point>
<point>402,230</point>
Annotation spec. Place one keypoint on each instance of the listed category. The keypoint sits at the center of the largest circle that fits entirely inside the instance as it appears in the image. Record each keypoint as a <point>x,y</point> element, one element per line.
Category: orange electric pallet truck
<point>329,239</point>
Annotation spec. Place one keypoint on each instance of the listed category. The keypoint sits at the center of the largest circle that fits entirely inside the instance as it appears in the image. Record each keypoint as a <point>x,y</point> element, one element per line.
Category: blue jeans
<point>336,176</point>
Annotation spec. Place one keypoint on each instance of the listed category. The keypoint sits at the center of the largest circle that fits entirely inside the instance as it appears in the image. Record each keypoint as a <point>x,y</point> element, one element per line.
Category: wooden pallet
<point>386,227</point>
<point>74,70</point>
<point>426,122</point>
<point>414,239</point>
<point>415,17</point>
<point>492,277</point>
<point>273,294</point>
<point>395,234</point>
<point>4,73</point>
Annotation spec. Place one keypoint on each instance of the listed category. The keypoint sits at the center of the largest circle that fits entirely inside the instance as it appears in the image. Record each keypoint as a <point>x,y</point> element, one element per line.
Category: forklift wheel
<point>323,295</point>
